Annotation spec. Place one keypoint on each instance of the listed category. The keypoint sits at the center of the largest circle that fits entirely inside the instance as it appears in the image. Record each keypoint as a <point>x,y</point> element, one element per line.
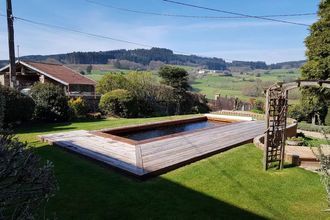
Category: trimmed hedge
<point>17,106</point>
<point>309,127</point>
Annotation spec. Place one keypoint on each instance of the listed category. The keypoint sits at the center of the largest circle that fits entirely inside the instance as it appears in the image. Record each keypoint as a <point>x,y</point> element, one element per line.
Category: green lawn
<point>230,185</point>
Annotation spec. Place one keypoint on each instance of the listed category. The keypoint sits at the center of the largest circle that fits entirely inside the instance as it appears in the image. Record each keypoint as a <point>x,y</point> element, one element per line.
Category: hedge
<point>316,128</point>
<point>17,106</point>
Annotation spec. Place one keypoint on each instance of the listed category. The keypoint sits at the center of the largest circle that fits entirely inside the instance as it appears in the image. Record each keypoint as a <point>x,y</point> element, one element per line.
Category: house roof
<point>56,72</point>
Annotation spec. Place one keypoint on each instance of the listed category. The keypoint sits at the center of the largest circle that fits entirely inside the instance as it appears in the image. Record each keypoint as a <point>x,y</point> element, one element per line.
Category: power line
<point>235,13</point>
<point>91,34</point>
<point>96,35</point>
<point>192,16</point>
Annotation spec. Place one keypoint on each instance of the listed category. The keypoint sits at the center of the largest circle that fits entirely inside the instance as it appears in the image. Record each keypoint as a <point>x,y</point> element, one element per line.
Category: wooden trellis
<point>276,119</point>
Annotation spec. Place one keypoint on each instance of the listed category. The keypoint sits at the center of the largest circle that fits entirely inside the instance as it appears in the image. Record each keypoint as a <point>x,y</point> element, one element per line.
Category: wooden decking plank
<point>104,158</point>
<point>191,152</point>
<point>193,142</point>
<point>170,158</point>
<point>164,145</point>
<point>173,142</point>
<point>201,144</point>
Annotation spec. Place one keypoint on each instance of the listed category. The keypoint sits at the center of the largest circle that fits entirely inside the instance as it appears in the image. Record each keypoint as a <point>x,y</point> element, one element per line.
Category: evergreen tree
<point>178,79</point>
<point>89,69</point>
<point>317,66</point>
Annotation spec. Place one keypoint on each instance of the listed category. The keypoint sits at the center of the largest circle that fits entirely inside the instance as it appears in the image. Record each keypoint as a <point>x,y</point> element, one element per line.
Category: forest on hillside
<point>146,56</point>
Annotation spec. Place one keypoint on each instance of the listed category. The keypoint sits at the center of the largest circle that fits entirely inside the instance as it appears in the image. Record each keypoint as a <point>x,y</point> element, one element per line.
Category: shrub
<point>297,112</point>
<point>310,127</point>
<point>17,106</point>
<point>78,107</point>
<point>194,103</point>
<point>327,118</point>
<point>118,102</point>
<point>25,183</point>
<point>2,110</point>
<point>111,82</point>
<point>51,102</point>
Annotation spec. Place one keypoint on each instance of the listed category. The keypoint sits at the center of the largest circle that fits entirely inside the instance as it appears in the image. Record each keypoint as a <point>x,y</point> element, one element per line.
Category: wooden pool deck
<point>160,155</point>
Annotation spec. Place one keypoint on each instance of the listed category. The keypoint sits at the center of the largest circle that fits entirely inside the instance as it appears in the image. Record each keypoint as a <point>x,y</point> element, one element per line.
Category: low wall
<point>241,113</point>
<point>290,131</point>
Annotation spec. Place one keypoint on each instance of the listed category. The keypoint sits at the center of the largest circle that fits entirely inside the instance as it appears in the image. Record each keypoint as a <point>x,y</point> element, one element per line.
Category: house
<point>28,73</point>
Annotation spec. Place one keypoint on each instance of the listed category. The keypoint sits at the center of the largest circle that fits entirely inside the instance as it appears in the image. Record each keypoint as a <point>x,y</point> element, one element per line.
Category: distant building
<point>202,71</point>
<point>28,73</point>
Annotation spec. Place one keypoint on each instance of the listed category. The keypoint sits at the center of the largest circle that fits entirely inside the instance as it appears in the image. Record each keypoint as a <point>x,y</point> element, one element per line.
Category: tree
<point>178,79</point>
<point>175,76</point>
<point>25,183</point>
<point>89,69</point>
<point>82,72</point>
<point>51,102</point>
<point>318,65</point>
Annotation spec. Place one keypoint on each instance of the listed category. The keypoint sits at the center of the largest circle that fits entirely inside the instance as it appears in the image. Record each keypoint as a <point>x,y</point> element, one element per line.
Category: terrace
<point>158,147</point>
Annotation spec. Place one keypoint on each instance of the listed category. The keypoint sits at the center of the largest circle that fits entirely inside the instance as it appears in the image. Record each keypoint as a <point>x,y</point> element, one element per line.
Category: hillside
<point>143,58</point>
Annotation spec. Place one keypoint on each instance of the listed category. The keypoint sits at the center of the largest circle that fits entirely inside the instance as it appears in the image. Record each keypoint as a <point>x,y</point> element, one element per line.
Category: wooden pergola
<point>276,119</point>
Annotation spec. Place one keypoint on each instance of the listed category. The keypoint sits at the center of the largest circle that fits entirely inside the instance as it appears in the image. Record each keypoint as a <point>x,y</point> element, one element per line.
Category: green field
<point>212,85</point>
<point>230,185</point>
<point>98,74</point>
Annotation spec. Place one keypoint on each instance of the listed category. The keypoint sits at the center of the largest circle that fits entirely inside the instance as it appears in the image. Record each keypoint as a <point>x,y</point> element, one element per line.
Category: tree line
<point>145,56</point>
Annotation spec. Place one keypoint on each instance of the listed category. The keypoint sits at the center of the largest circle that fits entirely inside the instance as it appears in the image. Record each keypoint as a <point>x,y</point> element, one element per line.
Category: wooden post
<point>11,43</point>
<point>286,95</point>
<point>266,137</point>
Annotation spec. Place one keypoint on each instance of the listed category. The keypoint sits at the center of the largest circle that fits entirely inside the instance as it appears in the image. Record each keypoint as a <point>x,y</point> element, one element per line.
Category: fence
<point>225,103</point>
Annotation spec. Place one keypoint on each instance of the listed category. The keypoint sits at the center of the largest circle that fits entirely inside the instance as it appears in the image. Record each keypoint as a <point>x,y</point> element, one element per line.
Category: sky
<point>247,39</point>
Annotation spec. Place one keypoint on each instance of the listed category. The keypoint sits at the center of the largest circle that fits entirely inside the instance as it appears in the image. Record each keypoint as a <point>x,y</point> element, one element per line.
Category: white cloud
<point>35,39</point>
<point>268,55</point>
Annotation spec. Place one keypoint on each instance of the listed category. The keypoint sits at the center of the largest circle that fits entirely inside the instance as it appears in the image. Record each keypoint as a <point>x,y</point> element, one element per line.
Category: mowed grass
<point>230,185</point>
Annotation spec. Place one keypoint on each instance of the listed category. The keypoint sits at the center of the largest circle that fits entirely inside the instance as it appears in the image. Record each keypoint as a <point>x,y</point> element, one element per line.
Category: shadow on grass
<point>90,191</point>
<point>35,127</point>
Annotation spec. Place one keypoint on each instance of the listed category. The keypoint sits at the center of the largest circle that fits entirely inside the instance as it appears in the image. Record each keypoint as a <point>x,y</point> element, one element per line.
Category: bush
<point>327,118</point>
<point>111,82</point>
<point>194,103</point>
<point>78,107</point>
<point>2,110</point>
<point>317,128</point>
<point>17,106</point>
<point>25,183</point>
<point>297,112</point>
<point>118,102</point>
<point>51,102</point>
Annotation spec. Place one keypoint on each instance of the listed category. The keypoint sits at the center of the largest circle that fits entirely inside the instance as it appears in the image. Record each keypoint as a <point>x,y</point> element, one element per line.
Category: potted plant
<point>295,141</point>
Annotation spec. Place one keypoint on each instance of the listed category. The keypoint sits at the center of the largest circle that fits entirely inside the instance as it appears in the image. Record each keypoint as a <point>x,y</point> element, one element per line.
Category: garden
<point>38,180</point>
<point>222,186</point>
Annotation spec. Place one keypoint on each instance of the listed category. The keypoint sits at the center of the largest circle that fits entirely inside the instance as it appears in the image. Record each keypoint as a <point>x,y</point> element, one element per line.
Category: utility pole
<point>11,43</point>
<point>18,52</point>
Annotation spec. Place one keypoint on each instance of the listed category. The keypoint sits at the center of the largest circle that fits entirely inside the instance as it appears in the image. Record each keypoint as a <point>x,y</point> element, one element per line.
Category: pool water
<point>168,130</point>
